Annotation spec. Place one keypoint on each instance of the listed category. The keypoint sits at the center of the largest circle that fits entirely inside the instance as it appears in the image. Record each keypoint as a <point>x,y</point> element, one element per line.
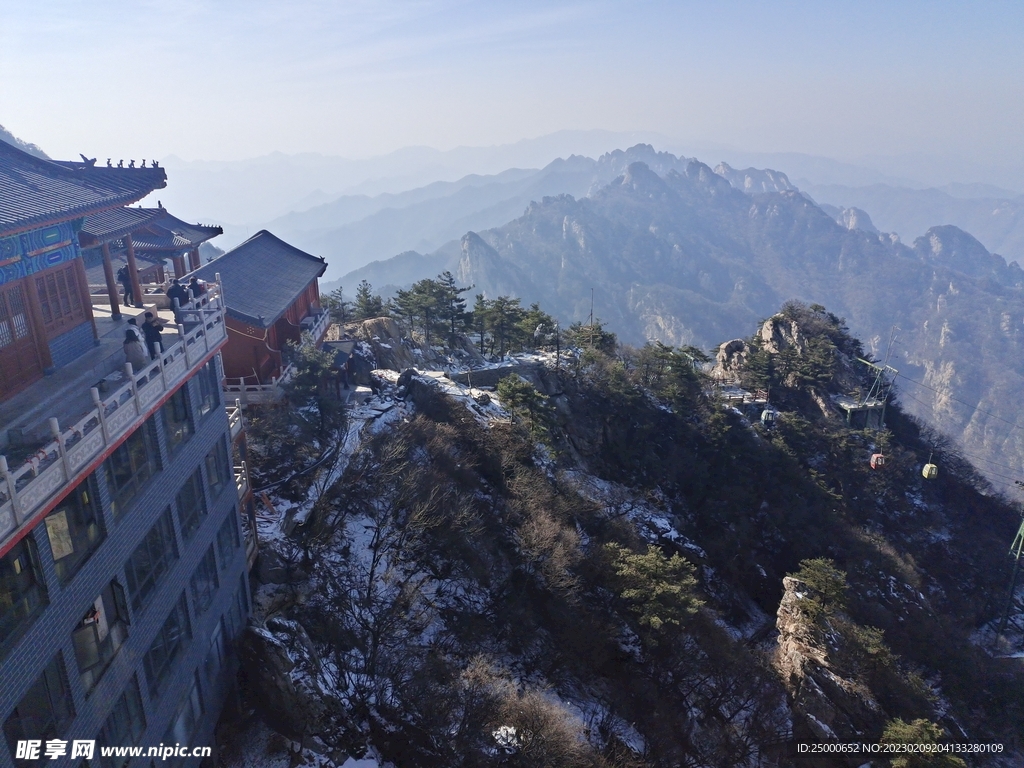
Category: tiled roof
<point>171,233</point>
<point>152,229</point>
<point>111,225</point>
<point>35,192</point>
<point>262,277</point>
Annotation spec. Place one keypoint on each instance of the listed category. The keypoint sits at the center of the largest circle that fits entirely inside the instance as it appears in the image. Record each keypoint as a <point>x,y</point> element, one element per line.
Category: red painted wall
<point>253,353</point>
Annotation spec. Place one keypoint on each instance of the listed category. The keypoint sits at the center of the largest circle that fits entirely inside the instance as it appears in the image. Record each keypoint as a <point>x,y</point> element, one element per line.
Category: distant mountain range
<point>32,149</point>
<point>994,216</point>
<point>684,256</point>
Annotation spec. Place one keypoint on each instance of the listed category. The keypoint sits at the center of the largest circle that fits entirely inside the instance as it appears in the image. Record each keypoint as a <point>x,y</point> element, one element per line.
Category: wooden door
<point>19,358</point>
<point>60,300</point>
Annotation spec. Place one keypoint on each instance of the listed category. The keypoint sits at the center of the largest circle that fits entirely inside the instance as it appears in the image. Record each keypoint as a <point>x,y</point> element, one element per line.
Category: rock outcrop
<point>828,704</point>
<point>285,677</point>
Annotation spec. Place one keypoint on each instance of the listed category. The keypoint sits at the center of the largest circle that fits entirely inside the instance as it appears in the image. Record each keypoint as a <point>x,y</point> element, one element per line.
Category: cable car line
<point>962,402</point>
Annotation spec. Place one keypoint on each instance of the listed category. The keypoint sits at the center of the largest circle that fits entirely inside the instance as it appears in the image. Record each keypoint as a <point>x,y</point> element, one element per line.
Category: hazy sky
<point>231,79</point>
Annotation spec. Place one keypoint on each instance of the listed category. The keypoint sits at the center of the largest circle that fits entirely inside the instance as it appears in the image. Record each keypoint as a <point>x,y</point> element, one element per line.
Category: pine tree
<point>452,307</point>
<point>334,302</point>
<point>503,317</point>
<point>480,312</point>
<point>368,304</point>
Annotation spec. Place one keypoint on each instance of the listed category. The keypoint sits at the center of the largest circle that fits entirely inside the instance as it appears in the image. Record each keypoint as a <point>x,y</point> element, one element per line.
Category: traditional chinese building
<point>123,574</point>
<point>272,297</point>
<point>146,240</point>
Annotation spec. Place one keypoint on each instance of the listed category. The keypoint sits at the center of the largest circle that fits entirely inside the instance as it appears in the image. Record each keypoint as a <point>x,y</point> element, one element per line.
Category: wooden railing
<point>25,490</point>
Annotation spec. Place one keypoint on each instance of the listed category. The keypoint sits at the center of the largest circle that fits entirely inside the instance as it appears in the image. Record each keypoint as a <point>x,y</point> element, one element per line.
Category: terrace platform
<point>65,423</point>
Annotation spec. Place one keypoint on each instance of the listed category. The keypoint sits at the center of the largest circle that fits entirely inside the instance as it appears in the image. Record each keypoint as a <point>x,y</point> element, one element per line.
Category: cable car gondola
<point>877,460</point>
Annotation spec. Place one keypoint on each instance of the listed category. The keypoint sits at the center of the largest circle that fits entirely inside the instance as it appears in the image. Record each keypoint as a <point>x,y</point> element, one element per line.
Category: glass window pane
<point>45,710</point>
<point>74,530</point>
<point>151,560</point>
<point>22,591</point>
<point>167,647</point>
<point>204,582</point>
<point>177,425</point>
<point>191,505</point>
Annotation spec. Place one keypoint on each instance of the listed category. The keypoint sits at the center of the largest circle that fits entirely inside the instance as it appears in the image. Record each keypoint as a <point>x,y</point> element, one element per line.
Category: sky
<point>226,80</point>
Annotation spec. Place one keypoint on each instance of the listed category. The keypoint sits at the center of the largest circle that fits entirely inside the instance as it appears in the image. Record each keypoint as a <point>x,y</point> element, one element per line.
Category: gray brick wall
<point>51,631</point>
<point>71,344</point>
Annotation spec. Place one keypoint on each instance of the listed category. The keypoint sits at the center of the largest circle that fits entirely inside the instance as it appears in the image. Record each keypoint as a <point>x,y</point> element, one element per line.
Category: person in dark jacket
<point>125,279</point>
<point>176,291</point>
<point>196,288</point>
<point>151,331</point>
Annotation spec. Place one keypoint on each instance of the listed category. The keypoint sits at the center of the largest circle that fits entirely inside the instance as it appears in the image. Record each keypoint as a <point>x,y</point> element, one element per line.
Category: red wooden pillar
<point>108,275</point>
<point>86,297</point>
<point>133,271</point>
<point>193,258</point>
<point>179,265</point>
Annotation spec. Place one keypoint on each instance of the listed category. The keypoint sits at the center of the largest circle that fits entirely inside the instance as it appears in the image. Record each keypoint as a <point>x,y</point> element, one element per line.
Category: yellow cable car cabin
<point>877,460</point>
<point>930,471</point>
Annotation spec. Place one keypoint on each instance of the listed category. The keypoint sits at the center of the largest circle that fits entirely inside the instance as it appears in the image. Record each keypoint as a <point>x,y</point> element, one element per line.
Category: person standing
<point>134,352</point>
<point>196,288</point>
<point>125,279</point>
<point>176,291</point>
<point>151,331</point>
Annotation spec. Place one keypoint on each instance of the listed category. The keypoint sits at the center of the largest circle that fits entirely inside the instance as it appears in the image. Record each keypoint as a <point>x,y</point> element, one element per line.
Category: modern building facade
<point>123,569</point>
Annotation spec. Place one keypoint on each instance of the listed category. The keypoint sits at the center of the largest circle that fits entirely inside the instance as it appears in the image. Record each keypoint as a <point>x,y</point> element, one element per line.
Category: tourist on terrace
<point>125,279</point>
<point>151,330</point>
<point>134,352</point>
<point>176,292</point>
<point>196,288</point>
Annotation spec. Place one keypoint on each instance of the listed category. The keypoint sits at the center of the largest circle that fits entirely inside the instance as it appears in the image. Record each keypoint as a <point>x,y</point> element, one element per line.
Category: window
<point>151,560</point>
<point>167,647</point>
<point>186,721</point>
<point>131,464</point>
<point>248,518</point>
<point>217,469</point>
<point>204,582</point>
<point>177,425</point>
<point>227,539</point>
<point>22,591</point>
<point>236,617</point>
<point>209,387</point>
<point>13,317</point>
<point>44,711</point>
<point>100,634</point>
<point>123,726</point>
<point>60,300</point>
<point>191,505</point>
<point>217,654</point>
<point>74,530</point>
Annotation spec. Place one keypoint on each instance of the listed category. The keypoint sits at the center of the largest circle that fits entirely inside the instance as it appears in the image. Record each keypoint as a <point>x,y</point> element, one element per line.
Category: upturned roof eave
<point>71,214</point>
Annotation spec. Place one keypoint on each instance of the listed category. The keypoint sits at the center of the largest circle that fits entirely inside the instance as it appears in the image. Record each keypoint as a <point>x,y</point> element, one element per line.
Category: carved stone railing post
<point>55,430</point>
<point>98,402</point>
<point>12,488</point>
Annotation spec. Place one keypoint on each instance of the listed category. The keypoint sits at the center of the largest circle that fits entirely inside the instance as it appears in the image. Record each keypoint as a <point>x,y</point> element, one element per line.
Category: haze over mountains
<point>307,197</point>
<point>684,256</point>
<point>685,253</point>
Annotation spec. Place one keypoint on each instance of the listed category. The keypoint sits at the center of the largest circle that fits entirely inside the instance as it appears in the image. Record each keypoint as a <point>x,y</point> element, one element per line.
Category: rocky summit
<point>687,255</point>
